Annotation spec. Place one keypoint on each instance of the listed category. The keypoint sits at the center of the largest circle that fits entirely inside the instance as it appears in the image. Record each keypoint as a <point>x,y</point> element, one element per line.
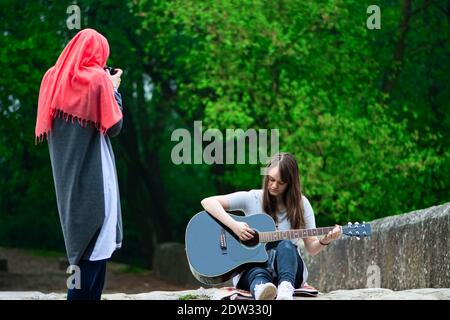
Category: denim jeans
<point>93,275</point>
<point>288,267</point>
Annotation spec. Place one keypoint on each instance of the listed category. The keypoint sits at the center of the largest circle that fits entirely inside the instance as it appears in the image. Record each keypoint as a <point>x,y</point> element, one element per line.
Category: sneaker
<point>285,291</point>
<point>265,291</point>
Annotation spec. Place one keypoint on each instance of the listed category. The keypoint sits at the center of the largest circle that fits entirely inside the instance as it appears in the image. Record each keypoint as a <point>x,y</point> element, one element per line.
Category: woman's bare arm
<point>216,206</point>
<point>313,245</point>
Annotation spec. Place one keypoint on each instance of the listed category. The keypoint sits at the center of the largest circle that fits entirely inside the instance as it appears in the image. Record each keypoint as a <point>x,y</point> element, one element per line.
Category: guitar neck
<point>292,234</point>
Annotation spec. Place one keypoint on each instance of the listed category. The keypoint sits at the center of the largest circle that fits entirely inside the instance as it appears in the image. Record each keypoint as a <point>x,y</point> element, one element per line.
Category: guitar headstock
<point>357,230</point>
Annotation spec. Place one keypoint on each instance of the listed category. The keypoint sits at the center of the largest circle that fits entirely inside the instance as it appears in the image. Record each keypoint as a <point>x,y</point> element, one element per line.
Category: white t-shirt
<point>250,202</point>
<point>106,241</point>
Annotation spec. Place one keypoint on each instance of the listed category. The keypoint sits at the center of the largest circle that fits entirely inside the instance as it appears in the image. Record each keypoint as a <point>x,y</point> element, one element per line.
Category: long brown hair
<point>292,196</point>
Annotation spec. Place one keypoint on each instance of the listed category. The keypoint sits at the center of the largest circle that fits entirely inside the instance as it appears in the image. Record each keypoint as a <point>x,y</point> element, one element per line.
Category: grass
<point>126,268</point>
<point>45,253</point>
<point>133,269</point>
<point>188,297</point>
<point>116,266</point>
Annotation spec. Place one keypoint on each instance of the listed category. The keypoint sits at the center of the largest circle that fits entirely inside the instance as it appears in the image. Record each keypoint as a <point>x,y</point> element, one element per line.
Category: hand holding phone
<point>114,74</point>
<point>111,70</point>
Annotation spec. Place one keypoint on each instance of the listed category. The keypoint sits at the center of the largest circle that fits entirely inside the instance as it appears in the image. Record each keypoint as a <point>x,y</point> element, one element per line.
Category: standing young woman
<point>281,198</point>
<point>79,109</point>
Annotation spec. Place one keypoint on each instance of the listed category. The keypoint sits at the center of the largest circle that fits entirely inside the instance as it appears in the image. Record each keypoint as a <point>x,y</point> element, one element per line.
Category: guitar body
<point>215,253</point>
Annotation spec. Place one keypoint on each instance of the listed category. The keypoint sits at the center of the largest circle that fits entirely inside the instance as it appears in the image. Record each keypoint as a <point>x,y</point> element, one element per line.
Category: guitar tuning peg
<point>349,224</point>
<point>356,223</point>
<point>358,238</point>
<point>364,222</point>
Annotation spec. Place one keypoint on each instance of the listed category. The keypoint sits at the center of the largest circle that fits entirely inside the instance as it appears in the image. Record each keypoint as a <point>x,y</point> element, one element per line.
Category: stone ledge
<point>208,294</point>
<point>406,251</point>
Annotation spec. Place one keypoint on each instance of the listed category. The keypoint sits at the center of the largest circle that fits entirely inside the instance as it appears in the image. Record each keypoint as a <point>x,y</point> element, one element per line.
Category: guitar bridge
<point>223,242</point>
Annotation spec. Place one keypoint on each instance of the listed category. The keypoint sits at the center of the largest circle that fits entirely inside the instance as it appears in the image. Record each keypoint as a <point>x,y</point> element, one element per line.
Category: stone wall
<point>170,263</point>
<point>406,251</point>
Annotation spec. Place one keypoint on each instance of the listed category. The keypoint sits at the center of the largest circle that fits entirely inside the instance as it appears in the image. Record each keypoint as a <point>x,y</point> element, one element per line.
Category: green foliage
<point>315,71</point>
<point>28,211</point>
<point>188,297</point>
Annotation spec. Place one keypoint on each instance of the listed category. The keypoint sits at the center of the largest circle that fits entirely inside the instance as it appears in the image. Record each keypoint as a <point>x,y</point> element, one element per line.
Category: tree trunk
<point>394,69</point>
<point>145,193</point>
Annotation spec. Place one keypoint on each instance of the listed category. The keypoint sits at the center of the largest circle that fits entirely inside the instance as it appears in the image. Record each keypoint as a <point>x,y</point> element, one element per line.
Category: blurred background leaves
<point>365,112</point>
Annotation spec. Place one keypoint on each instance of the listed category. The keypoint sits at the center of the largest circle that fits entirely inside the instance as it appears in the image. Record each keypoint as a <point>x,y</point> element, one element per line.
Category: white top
<point>106,241</point>
<point>250,202</point>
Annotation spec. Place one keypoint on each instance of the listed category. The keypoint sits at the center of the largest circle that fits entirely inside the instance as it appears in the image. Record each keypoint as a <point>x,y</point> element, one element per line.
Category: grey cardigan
<point>75,154</point>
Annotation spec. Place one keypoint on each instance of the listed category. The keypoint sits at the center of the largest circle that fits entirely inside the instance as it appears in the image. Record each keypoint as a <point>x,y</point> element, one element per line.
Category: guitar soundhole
<point>253,241</point>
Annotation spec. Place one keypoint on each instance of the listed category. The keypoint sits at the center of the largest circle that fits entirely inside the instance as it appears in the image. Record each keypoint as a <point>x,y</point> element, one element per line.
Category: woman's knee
<point>257,272</point>
<point>286,245</point>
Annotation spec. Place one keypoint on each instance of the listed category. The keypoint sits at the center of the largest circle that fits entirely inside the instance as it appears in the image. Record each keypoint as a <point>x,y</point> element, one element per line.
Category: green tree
<point>364,111</point>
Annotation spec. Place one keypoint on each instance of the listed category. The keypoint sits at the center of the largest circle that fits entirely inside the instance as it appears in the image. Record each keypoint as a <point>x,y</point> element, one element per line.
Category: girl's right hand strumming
<point>243,231</point>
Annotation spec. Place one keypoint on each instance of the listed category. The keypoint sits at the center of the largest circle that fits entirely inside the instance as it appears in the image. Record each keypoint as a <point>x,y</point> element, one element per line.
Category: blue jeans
<point>92,274</point>
<point>288,266</point>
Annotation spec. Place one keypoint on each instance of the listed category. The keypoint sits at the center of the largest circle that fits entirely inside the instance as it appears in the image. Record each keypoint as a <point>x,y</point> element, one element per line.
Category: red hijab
<point>77,86</point>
